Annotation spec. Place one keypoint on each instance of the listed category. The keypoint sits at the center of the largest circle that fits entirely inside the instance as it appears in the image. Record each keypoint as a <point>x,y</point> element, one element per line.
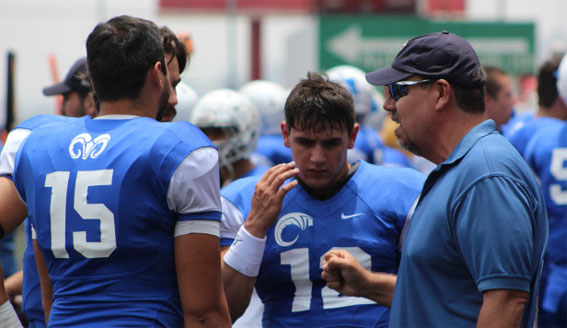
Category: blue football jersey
<point>547,155</point>
<point>96,192</point>
<point>368,147</point>
<point>525,127</point>
<point>365,217</point>
<point>271,151</point>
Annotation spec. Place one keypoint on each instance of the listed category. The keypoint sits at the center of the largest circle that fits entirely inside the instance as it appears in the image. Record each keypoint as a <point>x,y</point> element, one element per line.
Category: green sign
<point>372,42</point>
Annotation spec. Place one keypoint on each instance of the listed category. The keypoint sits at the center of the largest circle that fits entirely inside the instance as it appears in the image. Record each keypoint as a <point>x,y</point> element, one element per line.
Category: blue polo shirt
<point>480,224</point>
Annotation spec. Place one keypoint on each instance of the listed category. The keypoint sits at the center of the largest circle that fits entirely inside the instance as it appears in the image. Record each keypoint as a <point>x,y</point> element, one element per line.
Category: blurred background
<point>235,41</point>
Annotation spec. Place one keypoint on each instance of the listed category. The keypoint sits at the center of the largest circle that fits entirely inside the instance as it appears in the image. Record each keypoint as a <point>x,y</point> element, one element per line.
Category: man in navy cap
<point>76,91</point>
<point>474,249</point>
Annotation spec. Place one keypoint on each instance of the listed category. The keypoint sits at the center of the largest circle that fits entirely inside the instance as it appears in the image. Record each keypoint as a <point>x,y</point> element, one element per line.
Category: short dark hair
<point>316,103</point>
<point>468,98</point>
<point>547,82</point>
<point>492,84</point>
<point>172,45</point>
<point>120,52</point>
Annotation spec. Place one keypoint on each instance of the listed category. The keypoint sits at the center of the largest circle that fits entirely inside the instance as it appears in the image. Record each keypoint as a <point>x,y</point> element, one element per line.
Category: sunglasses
<point>400,89</point>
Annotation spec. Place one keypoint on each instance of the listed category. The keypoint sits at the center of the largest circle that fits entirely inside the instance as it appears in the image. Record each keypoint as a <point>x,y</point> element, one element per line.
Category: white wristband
<point>8,316</point>
<point>245,253</point>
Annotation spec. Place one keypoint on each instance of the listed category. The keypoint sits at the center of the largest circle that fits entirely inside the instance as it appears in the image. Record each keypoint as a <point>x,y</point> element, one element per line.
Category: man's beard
<point>163,103</point>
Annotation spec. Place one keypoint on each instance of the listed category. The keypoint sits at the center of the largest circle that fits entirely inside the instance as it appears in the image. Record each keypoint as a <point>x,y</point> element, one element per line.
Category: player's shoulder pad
<point>188,132</point>
<point>42,120</point>
<point>390,178</point>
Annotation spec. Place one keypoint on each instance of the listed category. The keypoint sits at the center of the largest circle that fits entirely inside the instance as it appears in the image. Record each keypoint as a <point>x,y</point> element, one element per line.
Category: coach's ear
<point>285,133</point>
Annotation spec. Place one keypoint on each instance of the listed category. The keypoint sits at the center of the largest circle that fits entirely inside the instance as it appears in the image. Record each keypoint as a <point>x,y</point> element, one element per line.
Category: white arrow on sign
<point>349,44</point>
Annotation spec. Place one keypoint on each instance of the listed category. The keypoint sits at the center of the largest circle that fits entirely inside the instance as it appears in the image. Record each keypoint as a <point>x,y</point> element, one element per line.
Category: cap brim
<point>56,89</point>
<point>385,76</point>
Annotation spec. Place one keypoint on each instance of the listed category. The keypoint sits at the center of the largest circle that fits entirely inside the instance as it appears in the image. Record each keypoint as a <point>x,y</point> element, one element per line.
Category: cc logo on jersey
<point>84,146</point>
<point>289,226</point>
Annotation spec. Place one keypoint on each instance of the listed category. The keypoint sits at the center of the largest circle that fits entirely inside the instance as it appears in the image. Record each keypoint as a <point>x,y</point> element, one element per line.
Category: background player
<point>551,109</point>
<point>144,91</point>
<point>546,153</point>
<point>232,122</point>
<point>281,232</point>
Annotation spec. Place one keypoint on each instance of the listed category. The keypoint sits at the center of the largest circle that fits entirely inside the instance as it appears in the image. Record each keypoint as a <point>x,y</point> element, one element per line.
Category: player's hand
<point>343,273</point>
<point>268,198</point>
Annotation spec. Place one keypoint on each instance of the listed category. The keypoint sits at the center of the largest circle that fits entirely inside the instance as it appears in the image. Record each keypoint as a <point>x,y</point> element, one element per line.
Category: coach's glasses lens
<point>400,89</point>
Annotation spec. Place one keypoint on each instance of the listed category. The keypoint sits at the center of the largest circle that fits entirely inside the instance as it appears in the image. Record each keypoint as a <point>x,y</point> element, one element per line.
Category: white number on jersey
<point>298,259</point>
<point>559,172</point>
<point>59,181</point>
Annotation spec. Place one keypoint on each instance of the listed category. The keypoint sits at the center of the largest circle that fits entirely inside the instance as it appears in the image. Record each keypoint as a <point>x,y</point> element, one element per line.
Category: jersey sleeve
<point>493,227</point>
<point>8,157</point>
<point>231,221</point>
<point>194,193</point>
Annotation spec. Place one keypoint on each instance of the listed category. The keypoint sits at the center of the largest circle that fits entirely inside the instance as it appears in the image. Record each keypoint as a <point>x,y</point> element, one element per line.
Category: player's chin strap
<point>1,232</point>
<point>336,188</point>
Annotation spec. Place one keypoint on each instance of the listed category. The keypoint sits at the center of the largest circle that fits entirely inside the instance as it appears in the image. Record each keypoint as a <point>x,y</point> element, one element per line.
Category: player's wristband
<point>8,316</point>
<point>245,253</point>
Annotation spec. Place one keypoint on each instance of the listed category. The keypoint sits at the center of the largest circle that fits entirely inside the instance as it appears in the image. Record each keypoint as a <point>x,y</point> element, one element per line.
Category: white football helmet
<point>354,80</point>
<point>186,99</point>
<point>562,79</point>
<point>269,99</point>
<point>238,118</point>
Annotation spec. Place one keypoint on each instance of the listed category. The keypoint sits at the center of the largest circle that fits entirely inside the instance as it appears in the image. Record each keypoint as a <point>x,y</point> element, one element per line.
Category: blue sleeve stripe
<point>226,242</point>
<point>8,176</point>
<point>212,215</point>
<point>515,283</point>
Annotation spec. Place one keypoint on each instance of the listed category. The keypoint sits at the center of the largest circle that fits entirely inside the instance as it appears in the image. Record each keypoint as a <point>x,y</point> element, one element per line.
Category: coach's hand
<point>268,198</point>
<point>345,274</point>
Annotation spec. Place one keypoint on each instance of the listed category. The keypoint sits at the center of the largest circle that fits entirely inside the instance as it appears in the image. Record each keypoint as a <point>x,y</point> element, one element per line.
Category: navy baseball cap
<point>441,55</point>
<point>74,81</point>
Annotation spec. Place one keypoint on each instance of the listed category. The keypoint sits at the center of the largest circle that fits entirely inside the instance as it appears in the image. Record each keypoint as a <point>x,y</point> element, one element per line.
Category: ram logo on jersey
<point>84,146</point>
<point>289,226</point>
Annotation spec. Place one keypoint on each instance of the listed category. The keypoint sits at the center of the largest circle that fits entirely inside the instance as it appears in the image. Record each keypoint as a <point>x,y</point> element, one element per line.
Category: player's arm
<point>343,273</point>
<point>14,284</point>
<point>13,210</point>
<point>197,260</point>
<point>194,193</point>
<point>242,260</point>
<point>46,288</point>
<point>502,308</point>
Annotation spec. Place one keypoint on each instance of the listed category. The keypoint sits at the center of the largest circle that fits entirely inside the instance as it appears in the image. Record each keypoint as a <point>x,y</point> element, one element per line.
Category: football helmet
<point>354,80</point>
<point>236,116</point>
<point>269,98</point>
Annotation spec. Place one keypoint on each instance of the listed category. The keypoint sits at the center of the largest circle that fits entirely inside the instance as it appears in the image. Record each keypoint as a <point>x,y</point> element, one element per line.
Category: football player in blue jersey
<point>278,227</point>
<point>473,251</point>
<point>105,266</point>
<point>75,86</point>
<point>551,109</point>
<point>546,153</point>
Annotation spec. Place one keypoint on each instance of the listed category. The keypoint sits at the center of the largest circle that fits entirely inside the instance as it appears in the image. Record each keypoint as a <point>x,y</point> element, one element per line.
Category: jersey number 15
<point>59,183</point>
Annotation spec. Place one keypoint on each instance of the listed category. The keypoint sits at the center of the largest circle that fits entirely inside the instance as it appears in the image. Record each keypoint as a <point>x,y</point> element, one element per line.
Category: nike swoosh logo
<point>346,217</point>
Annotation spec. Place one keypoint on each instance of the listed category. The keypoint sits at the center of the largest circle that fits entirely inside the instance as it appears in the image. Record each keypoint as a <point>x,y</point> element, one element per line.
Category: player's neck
<point>557,110</point>
<point>123,107</point>
<point>335,189</point>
